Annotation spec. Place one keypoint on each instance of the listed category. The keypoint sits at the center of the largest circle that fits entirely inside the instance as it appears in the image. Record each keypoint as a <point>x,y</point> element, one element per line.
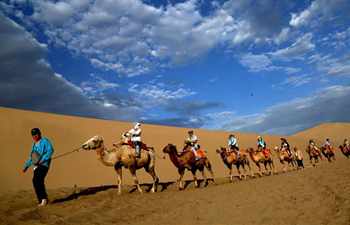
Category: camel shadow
<point>84,192</point>
<point>162,186</point>
<point>148,186</point>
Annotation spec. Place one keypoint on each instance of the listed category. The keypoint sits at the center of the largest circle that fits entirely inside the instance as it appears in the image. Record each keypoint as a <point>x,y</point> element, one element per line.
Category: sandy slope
<point>82,168</point>
<point>313,196</point>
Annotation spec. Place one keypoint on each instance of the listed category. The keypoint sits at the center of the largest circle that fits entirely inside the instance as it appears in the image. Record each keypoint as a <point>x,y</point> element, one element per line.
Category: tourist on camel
<point>285,146</point>
<point>233,144</point>
<point>192,141</point>
<point>135,134</point>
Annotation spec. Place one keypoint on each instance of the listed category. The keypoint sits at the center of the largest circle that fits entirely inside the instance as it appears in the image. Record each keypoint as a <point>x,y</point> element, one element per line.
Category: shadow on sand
<point>162,186</point>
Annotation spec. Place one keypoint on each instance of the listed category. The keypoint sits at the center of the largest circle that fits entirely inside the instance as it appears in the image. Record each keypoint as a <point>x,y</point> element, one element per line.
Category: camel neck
<point>174,157</point>
<point>102,153</point>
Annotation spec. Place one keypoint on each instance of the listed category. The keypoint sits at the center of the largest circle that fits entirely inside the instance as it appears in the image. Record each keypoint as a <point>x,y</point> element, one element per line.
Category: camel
<point>123,155</point>
<point>314,155</point>
<point>187,160</point>
<point>328,152</point>
<point>258,157</point>
<point>285,159</point>
<point>230,158</point>
<point>345,150</point>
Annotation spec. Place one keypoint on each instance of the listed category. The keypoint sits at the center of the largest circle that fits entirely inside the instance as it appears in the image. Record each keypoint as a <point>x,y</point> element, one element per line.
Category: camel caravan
<point>132,154</point>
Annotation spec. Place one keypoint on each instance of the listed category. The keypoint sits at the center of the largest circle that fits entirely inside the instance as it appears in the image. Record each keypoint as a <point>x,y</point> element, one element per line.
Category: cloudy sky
<point>267,66</point>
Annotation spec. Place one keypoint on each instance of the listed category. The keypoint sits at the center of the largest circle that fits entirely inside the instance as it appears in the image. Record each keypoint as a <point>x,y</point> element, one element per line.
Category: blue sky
<point>273,67</point>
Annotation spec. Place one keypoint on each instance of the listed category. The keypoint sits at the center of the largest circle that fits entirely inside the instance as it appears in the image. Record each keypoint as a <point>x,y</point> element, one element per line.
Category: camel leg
<point>283,166</point>
<point>230,174</point>
<point>208,166</point>
<point>259,169</point>
<point>181,172</point>
<point>155,180</point>
<point>250,169</point>
<point>238,171</point>
<point>273,167</point>
<point>193,171</point>
<point>118,170</point>
<point>265,166</point>
<point>245,170</point>
<point>204,178</point>
<point>136,181</point>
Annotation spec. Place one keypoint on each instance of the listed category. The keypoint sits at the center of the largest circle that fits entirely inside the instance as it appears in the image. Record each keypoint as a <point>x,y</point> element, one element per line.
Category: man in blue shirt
<point>40,159</point>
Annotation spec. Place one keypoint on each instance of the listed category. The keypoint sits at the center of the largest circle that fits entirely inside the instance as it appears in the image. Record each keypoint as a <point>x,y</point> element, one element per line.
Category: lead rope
<point>66,153</point>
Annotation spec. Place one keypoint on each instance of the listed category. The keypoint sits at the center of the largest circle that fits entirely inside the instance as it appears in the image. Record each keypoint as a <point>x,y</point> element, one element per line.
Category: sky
<point>274,67</point>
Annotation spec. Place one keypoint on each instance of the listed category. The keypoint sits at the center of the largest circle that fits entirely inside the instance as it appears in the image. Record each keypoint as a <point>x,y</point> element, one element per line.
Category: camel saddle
<point>266,152</point>
<point>132,145</point>
<point>200,152</point>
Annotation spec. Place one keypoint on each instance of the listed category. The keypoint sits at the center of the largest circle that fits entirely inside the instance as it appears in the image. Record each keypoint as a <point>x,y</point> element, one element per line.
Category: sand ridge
<point>83,191</point>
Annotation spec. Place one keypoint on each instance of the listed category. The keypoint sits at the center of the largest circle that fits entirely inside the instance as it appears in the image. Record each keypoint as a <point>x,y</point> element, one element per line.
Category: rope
<point>66,153</point>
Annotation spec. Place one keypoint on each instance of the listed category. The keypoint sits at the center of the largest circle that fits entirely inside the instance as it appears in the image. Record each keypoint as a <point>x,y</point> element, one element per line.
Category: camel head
<point>125,137</point>
<point>169,148</point>
<point>276,148</point>
<point>93,143</point>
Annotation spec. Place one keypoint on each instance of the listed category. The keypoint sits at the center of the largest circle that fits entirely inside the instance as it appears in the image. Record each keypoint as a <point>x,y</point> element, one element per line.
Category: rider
<point>233,144</point>
<point>285,145</point>
<point>327,144</point>
<point>192,140</point>
<point>261,144</point>
<point>135,134</point>
<point>312,145</point>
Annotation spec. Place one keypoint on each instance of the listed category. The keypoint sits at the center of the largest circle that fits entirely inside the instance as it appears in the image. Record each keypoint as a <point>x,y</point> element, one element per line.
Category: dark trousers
<point>300,163</point>
<point>39,182</point>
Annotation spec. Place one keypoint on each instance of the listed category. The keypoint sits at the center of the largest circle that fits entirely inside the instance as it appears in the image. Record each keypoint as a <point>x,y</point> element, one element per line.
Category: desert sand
<point>83,191</point>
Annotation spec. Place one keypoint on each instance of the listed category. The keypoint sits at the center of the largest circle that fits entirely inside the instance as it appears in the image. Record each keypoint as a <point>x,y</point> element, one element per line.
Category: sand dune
<point>314,196</point>
<point>82,168</point>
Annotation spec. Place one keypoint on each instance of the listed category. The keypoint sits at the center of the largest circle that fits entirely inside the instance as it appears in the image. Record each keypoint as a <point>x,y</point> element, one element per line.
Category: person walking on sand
<point>40,159</point>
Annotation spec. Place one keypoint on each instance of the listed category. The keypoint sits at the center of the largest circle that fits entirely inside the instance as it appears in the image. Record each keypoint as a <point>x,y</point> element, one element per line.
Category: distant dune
<point>83,169</point>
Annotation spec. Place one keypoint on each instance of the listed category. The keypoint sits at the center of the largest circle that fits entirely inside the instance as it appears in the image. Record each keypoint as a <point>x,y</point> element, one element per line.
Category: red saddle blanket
<point>266,152</point>
<point>201,153</point>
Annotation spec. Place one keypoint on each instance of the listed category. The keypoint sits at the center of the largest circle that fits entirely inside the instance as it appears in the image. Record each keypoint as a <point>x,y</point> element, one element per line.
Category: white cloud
<point>297,50</point>
<point>132,38</point>
<point>53,13</point>
<point>263,62</point>
<point>97,85</point>
<point>330,104</point>
<point>256,63</point>
<point>331,65</point>
<point>150,95</point>
<point>320,11</point>
<point>297,81</point>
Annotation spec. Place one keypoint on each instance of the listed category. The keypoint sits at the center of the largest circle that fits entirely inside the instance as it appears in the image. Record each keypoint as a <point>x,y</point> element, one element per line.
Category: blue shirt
<point>43,150</point>
<point>261,143</point>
